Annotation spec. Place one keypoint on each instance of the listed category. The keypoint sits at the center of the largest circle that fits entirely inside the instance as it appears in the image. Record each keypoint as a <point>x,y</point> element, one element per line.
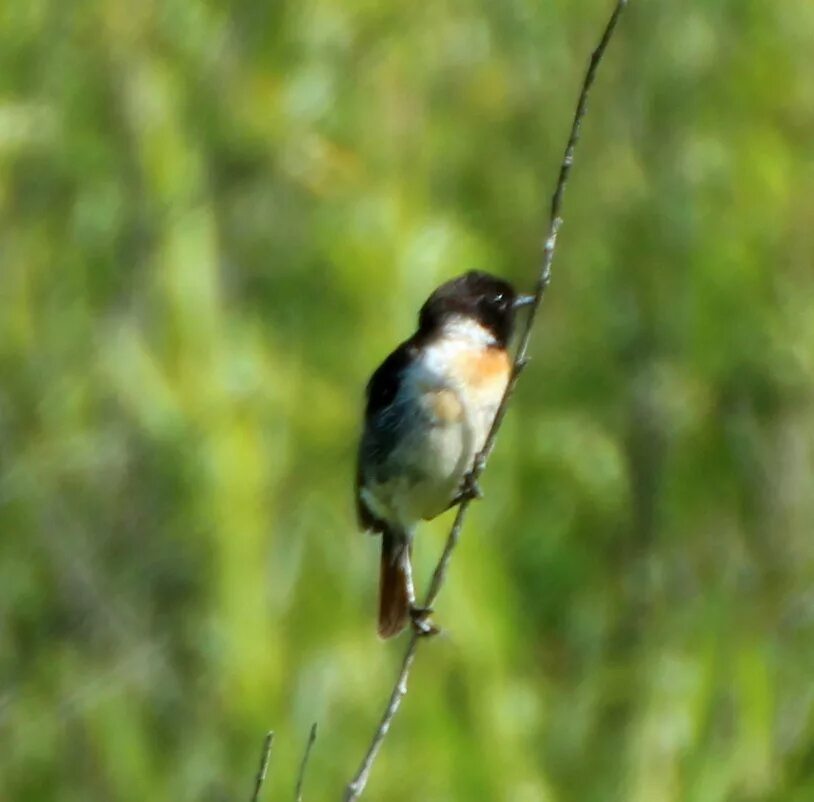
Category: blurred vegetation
<point>218,217</point>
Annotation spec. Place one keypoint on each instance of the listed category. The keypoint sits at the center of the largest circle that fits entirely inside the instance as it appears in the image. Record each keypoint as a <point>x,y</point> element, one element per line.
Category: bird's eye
<point>499,298</point>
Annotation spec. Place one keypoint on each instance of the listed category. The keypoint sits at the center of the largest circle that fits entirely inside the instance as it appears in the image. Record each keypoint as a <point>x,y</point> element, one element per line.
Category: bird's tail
<point>395,583</point>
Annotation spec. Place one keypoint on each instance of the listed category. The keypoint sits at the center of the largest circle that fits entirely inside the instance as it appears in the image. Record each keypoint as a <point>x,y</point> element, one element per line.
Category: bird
<point>428,410</point>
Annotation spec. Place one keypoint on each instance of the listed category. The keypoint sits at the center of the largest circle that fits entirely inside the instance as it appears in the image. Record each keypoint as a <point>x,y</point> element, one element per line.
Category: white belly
<point>444,411</point>
<point>433,456</point>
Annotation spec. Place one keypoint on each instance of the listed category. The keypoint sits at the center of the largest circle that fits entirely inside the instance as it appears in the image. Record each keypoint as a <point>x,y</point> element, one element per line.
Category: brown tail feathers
<point>395,594</point>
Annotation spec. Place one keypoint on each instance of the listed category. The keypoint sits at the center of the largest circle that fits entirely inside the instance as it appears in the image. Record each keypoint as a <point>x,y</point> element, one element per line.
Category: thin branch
<point>312,736</point>
<point>265,756</point>
<point>357,785</point>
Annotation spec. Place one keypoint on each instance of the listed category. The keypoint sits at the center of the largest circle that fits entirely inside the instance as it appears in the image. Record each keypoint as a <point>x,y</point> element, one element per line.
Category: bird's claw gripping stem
<point>420,619</point>
<point>471,489</point>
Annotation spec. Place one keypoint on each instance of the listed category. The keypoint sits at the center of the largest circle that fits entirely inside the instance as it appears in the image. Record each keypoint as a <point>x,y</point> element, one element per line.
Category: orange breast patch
<point>445,406</point>
<point>484,369</point>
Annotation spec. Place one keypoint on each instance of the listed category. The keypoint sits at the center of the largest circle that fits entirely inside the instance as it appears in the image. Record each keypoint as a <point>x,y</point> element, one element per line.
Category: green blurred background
<point>218,217</point>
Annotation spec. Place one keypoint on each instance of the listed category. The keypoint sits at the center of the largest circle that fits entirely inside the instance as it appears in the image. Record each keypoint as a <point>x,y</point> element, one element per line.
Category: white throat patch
<point>459,335</point>
<point>467,331</point>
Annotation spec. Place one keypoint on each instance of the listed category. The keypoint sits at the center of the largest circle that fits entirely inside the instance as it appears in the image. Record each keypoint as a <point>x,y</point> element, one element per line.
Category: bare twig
<point>265,755</point>
<point>357,785</point>
<point>312,736</point>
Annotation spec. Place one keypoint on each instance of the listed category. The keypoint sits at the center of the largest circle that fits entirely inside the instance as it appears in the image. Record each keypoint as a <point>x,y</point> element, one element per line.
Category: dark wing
<point>385,382</point>
<point>380,393</point>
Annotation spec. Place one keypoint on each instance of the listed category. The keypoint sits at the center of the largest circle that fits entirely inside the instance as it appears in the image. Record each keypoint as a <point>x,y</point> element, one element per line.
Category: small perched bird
<point>430,406</point>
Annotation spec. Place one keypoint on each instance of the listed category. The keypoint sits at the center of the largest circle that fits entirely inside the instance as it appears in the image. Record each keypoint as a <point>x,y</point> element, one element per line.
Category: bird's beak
<point>523,300</point>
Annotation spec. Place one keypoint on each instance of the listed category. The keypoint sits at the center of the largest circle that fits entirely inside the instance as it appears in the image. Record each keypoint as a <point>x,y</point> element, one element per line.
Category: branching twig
<point>265,755</point>
<point>312,736</point>
<point>357,785</point>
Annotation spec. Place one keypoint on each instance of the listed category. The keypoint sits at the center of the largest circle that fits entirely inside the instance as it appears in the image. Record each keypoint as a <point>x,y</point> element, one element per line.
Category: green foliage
<point>218,217</point>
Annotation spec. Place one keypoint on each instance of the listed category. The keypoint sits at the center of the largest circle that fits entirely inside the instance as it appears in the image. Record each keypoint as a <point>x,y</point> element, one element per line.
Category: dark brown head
<point>490,301</point>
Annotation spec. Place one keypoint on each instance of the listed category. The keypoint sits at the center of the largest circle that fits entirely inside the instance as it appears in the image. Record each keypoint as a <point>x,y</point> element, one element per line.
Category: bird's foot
<point>470,489</point>
<point>420,619</point>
